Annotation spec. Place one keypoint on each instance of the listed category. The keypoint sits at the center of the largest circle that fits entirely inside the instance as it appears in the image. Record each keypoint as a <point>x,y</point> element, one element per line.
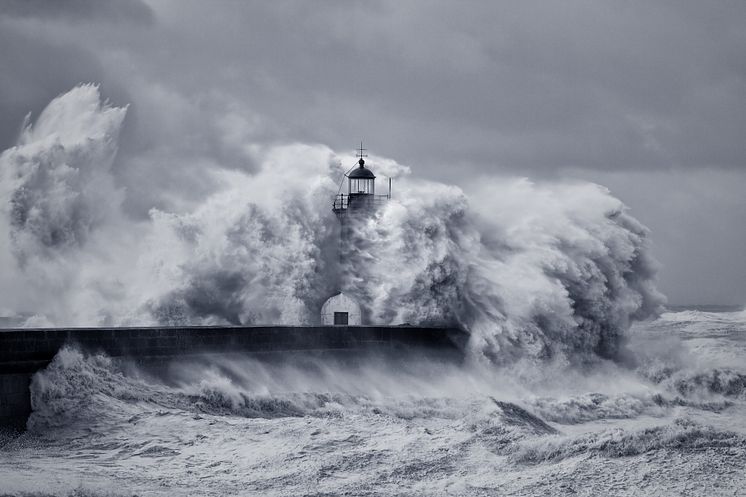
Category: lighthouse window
<point>361,186</point>
<point>341,318</point>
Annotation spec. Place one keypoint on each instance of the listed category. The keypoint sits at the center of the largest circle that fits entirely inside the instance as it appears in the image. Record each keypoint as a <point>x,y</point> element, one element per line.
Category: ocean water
<point>668,418</point>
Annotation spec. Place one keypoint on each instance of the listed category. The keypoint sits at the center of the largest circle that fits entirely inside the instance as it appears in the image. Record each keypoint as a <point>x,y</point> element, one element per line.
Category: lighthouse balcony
<point>356,201</point>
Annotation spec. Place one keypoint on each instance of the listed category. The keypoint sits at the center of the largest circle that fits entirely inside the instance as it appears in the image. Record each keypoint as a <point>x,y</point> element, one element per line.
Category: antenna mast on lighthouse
<point>360,153</point>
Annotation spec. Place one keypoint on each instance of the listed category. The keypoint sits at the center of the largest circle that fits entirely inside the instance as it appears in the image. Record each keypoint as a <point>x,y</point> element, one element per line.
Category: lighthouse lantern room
<point>361,190</point>
<point>362,180</point>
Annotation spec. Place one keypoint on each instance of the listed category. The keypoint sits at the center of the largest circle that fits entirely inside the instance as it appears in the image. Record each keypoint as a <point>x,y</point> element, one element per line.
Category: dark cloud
<point>454,89</point>
<point>564,85</point>
<point>79,10</point>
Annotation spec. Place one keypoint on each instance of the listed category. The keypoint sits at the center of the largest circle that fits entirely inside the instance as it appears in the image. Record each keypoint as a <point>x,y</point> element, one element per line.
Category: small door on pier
<point>341,310</point>
<point>341,318</point>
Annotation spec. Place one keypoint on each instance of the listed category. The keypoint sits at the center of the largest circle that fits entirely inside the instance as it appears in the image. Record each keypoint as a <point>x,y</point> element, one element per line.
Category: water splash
<point>548,271</point>
<point>57,178</point>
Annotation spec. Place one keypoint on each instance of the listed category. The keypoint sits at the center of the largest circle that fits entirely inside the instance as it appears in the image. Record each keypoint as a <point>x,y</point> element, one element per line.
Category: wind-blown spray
<point>530,270</point>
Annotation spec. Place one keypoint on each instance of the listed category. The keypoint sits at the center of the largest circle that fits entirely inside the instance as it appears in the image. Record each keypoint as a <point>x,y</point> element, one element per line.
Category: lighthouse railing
<point>343,201</point>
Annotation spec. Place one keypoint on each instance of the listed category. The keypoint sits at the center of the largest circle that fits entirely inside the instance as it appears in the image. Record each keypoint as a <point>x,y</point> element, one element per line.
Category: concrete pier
<point>25,351</point>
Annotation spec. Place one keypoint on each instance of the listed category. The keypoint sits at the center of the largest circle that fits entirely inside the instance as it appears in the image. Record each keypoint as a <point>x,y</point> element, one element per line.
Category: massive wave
<point>530,270</point>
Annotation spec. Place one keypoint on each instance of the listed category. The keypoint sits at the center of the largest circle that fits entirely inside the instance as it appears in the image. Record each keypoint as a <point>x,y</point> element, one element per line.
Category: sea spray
<point>529,270</point>
<point>56,180</point>
<point>545,271</point>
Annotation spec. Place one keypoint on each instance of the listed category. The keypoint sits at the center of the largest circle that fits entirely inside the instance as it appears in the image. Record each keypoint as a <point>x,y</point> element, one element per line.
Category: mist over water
<point>545,271</point>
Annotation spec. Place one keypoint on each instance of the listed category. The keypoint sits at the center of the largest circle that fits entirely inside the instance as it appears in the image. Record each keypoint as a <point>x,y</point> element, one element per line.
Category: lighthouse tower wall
<point>358,205</point>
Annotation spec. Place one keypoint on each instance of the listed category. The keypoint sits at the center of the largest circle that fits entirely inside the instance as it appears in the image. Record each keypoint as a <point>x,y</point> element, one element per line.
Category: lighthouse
<point>356,205</point>
<point>361,198</point>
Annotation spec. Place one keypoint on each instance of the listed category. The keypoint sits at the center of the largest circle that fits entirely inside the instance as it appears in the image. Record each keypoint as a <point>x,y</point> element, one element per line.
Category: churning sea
<point>669,418</point>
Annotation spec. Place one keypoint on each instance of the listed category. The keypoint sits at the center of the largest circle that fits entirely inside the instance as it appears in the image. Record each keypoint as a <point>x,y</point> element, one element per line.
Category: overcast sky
<point>646,98</point>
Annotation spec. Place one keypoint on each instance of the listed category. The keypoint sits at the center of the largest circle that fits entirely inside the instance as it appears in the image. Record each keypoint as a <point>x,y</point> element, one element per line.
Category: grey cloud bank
<point>646,98</point>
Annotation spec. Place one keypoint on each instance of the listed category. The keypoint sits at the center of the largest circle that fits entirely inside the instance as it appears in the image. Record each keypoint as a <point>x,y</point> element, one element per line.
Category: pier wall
<point>25,351</point>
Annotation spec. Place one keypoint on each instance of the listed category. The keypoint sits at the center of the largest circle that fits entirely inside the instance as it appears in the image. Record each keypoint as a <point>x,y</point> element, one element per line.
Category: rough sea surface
<point>667,419</point>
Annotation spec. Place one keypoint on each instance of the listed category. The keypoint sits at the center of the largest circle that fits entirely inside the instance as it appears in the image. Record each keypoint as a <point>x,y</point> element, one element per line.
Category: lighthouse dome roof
<point>362,172</point>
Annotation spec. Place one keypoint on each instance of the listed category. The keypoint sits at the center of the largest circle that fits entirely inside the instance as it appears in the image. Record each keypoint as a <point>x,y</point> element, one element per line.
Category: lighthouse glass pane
<point>362,185</point>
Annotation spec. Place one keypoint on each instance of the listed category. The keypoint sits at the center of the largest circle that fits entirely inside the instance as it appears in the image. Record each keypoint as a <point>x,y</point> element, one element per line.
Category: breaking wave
<point>546,271</point>
<point>294,421</point>
<point>79,394</point>
<point>78,386</point>
<point>702,383</point>
<point>682,435</point>
<point>696,316</point>
<point>228,423</point>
